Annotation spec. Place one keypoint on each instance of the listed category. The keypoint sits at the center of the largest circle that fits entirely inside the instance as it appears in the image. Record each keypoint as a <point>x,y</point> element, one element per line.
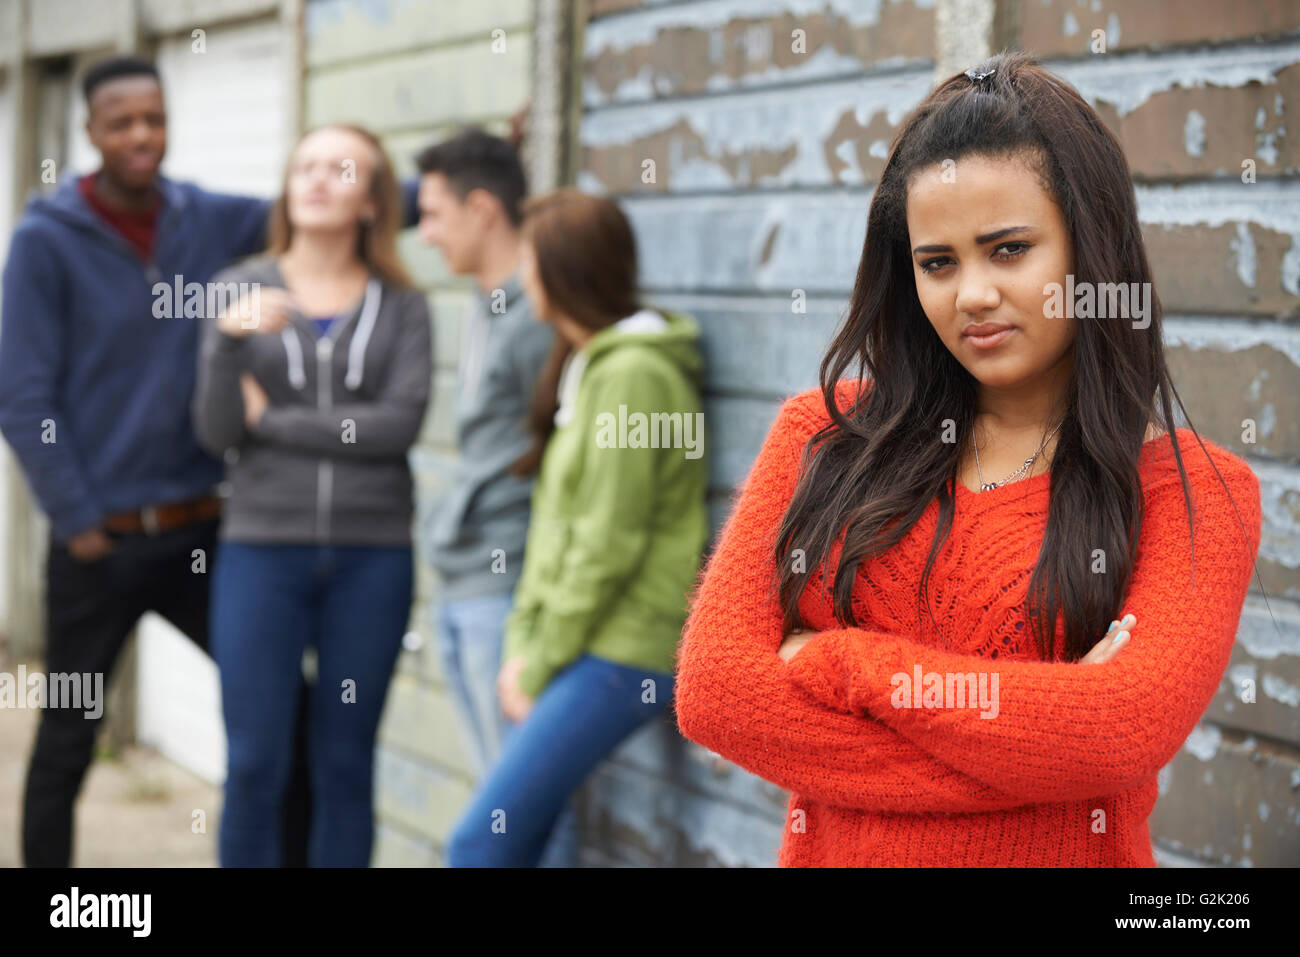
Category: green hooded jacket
<point>618,522</point>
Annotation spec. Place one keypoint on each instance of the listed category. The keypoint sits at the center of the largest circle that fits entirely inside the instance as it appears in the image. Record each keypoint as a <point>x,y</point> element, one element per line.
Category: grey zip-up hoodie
<point>327,464</point>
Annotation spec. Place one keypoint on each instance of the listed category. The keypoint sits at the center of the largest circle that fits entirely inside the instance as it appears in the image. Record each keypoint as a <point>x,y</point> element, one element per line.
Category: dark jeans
<point>269,602</point>
<point>91,608</point>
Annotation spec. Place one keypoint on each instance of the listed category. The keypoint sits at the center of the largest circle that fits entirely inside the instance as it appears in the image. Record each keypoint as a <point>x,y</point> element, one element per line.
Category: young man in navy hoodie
<point>95,394</point>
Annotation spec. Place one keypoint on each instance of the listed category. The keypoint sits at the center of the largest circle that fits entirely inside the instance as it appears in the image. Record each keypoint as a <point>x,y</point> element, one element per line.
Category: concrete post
<point>968,31</point>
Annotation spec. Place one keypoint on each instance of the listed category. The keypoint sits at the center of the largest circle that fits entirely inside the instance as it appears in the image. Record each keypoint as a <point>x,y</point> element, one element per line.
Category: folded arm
<point>383,428</point>
<point>734,695</point>
<point>1066,731</point>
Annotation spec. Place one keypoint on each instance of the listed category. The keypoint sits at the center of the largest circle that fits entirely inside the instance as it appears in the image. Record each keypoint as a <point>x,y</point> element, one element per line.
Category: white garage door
<point>227,107</point>
<point>79,157</point>
<point>227,110</point>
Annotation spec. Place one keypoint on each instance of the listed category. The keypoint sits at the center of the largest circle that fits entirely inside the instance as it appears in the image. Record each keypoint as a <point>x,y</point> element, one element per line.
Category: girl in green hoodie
<point>617,529</point>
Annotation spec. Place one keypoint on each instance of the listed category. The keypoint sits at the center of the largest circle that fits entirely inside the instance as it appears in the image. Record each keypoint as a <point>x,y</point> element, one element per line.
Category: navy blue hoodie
<point>94,390</point>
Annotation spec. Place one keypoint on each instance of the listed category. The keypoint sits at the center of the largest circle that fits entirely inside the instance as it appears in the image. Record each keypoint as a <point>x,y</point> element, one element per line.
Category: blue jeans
<point>470,637</point>
<point>471,634</point>
<point>586,711</point>
<point>269,602</point>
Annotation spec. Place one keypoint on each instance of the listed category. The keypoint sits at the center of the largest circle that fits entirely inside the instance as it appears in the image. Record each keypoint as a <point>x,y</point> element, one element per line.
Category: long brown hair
<point>377,239</point>
<point>586,264</point>
<point>879,460</point>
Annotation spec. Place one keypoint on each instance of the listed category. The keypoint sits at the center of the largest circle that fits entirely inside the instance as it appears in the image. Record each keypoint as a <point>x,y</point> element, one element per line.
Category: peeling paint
<point>1112,30</point>
<point>588,182</point>
<point>1280,544</point>
<point>1238,675</point>
<point>1280,690</point>
<point>1126,81</point>
<point>1243,251</point>
<point>722,832</point>
<point>840,47</point>
<point>801,120</point>
<point>1255,383</point>
<point>1203,742</point>
<point>1230,334</point>
<point>703,243</point>
<point>636,805</point>
<point>1267,419</point>
<point>618,34</point>
<point>639,87</point>
<point>825,62</point>
<point>853,172</point>
<point>1266,145</point>
<point>1273,205</point>
<point>1194,133</point>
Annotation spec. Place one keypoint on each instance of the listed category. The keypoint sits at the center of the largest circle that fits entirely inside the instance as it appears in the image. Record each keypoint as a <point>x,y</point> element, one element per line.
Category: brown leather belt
<point>153,519</point>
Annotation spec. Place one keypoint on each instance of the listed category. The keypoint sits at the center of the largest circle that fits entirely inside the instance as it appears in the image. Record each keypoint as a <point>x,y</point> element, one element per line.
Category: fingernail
<point>1120,638</point>
<point>1112,627</point>
<point>1128,620</point>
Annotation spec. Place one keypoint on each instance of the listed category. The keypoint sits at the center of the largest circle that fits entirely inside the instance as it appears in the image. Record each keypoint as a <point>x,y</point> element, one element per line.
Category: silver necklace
<point>986,486</point>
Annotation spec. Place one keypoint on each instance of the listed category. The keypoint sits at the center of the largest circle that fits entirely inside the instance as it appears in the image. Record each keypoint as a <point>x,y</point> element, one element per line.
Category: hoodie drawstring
<point>297,378</point>
<point>356,351</point>
<point>361,339</point>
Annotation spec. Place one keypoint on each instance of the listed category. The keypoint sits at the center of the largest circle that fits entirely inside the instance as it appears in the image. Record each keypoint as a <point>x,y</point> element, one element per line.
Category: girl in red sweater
<point>900,621</point>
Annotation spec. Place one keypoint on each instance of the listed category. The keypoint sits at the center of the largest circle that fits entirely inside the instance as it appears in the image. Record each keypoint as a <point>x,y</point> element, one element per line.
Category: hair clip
<point>979,77</point>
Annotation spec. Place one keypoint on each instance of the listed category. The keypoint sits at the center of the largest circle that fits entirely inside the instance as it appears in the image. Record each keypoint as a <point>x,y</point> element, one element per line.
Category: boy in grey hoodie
<point>471,189</point>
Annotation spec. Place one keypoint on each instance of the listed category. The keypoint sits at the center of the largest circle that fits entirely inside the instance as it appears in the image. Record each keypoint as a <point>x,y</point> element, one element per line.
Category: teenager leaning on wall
<point>900,623</point>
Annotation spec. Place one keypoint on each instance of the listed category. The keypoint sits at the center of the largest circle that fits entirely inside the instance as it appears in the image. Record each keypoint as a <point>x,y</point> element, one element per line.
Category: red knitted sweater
<point>1064,774</point>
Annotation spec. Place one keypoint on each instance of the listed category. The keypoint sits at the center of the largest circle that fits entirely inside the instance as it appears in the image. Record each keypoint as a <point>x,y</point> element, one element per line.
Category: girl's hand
<point>255,401</point>
<point>516,705</point>
<point>792,642</point>
<point>1111,644</point>
<point>267,312</point>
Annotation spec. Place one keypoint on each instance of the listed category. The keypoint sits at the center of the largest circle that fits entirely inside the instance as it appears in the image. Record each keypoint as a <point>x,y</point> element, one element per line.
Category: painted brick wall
<point>747,170</point>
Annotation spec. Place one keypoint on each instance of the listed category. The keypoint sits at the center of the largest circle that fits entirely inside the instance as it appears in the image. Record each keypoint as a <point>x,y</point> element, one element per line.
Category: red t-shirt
<point>136,228</point>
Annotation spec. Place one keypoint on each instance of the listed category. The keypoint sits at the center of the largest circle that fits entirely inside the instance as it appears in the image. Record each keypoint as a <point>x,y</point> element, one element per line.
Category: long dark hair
<point>874,469</point>
<point>585,252</point>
